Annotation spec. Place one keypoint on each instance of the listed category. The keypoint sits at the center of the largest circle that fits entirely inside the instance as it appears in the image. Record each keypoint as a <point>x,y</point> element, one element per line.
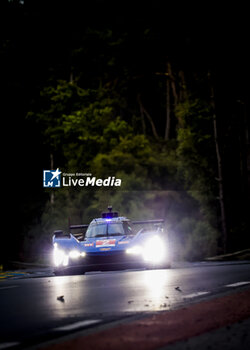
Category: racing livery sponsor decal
<point>88,244</point>
<point>123,242</point>
<point>105,243</point>
<point>105,249</point>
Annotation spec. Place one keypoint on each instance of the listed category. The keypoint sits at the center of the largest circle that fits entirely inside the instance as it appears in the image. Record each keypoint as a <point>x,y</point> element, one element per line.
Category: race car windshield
<point>108,229</point>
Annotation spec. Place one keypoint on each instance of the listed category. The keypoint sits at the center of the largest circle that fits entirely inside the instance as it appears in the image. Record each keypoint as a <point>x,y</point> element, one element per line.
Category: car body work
<point>111,242</point>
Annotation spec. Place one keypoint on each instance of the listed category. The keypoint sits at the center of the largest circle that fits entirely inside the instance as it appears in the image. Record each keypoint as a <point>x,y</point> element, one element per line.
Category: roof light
<point>110,214</point>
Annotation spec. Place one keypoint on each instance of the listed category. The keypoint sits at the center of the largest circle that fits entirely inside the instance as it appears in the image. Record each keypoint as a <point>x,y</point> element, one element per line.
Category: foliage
<point>199,239</point>
<point>196,155</point>
<point>91,134</point>
<point>96,100</point>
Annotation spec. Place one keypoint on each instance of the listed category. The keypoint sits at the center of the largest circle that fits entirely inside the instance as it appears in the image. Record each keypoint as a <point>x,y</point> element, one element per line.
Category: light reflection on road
<point>156,283</point>
<point>112,292</point>
<point>157,290</point>
<point>67,295</point>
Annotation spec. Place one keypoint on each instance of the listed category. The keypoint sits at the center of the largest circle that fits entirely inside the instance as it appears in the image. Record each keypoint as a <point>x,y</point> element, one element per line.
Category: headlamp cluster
<point>61,258</point>
<point>152,251</point>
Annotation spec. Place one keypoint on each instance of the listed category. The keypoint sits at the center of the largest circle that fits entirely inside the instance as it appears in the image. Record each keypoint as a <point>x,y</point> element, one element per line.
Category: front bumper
<point>107,262</point>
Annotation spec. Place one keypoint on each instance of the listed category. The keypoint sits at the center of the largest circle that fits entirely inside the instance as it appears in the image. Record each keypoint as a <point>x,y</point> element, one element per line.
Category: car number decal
<point>105,243</point>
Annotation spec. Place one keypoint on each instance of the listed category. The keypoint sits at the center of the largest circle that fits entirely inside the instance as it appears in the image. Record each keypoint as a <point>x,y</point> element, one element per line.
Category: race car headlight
<point>75,254</point>
<point>136,250</point>
<point>60,258</point>
<point>154,250</point>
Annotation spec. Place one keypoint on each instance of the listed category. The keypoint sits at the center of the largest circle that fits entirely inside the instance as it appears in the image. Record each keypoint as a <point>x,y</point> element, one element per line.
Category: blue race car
<point>111,242</point>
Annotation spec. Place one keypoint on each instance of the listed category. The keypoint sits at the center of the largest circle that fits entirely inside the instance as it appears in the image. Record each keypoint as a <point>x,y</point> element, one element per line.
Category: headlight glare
<point>74,254</point>
<point>154,250</point>
<point>60,258</point>
<point>136,250</point>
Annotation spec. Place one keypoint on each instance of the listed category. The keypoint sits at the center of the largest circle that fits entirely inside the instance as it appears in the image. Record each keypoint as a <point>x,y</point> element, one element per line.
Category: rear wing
<point>143,222</point>
<point>74,227</point>
<point>61,234</point>
<point>77,227</point>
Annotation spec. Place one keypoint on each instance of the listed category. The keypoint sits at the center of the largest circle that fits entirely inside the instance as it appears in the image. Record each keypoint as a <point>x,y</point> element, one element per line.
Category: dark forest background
<point>154,93</point>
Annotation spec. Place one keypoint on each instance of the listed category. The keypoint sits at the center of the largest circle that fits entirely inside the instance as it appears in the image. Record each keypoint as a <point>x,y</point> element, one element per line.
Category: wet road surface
<point>34,309</point>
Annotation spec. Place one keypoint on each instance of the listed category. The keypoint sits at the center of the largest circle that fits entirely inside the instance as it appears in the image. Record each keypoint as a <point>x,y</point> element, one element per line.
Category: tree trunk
<point>183,87</point>
<point>142,115</point>
<point>168,120</point>
<point>220,173</point>
<point>52,196</point>
<point>145,112</point>
<point>173,86</point>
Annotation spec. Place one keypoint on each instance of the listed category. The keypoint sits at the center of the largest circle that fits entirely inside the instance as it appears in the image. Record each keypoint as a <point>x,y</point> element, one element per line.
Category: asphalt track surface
<point>37,310</point>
